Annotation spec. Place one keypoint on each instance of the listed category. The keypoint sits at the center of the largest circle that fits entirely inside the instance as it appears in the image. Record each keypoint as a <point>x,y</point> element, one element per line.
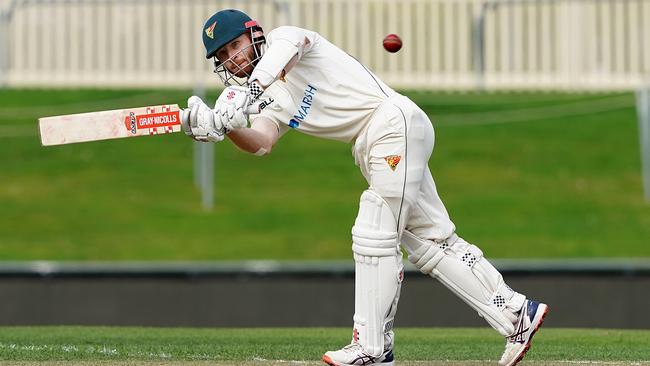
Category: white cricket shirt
<point>328,93</point>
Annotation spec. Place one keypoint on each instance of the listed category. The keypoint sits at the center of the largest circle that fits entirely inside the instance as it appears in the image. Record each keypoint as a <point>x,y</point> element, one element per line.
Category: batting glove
<point>200,122</point>
<point>231,107</point>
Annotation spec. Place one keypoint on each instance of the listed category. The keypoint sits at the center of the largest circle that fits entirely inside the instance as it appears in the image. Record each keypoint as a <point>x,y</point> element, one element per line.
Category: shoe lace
<point>353,347</point>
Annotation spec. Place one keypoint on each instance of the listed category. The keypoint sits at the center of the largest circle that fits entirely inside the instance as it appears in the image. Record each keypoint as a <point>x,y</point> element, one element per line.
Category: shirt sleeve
<point>282,44</point>
<point>294,35</point>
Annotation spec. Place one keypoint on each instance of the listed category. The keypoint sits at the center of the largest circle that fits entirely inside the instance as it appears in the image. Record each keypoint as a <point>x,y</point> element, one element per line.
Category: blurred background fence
<point>448,44</point>
<point>603,294</point>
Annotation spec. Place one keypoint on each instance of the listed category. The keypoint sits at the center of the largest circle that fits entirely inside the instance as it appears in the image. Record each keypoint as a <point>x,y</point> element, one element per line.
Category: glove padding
<point>230,111</point>
<point>231,107</point>
<point>200,123</point>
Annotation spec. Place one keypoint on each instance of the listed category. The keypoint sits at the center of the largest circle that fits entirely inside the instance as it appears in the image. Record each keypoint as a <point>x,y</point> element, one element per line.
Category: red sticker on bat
<point>153,120</point>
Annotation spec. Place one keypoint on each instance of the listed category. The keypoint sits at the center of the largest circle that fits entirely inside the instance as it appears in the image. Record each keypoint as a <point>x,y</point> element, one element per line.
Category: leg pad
<point>378,272</point>
<point>461,267</point>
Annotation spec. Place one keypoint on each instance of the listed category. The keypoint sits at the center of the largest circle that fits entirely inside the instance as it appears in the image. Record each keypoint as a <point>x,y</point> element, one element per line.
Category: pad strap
<point>461,267</point>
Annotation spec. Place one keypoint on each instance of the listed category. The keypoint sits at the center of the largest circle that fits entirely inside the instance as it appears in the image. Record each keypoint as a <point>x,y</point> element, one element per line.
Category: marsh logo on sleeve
<point>305,106</point>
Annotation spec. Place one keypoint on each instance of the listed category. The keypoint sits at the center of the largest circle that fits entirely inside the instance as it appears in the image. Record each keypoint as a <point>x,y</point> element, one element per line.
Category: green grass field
<point>523,175</point>
<point>451,346</point>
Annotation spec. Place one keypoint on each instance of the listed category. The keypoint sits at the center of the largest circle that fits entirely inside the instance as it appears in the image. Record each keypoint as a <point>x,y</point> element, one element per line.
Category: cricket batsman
<point>294,80</point>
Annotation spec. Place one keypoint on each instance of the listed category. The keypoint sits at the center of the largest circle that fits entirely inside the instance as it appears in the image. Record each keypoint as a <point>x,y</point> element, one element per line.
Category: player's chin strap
<point>378,273</point>
<point>461,267</point>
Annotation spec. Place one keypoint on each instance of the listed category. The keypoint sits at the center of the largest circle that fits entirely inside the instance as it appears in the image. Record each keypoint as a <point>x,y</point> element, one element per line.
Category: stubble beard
<point>246,71</point>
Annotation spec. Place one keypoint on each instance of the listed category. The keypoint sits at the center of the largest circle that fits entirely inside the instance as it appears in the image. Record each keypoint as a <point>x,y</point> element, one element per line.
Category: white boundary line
<point>534,114</point>
<point>260,362</point>
<point>111,351</point>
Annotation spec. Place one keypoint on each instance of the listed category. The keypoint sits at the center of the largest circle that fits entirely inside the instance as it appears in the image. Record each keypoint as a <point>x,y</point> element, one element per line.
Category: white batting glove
<point>200,122</point>
<point>231,107</point>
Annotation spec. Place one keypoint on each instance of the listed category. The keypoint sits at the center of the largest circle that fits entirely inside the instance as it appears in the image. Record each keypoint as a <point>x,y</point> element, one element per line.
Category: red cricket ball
<point>392,43</point>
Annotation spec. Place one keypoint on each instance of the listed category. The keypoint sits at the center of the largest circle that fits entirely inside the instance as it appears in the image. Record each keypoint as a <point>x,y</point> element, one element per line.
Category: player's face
<point>237,56</point>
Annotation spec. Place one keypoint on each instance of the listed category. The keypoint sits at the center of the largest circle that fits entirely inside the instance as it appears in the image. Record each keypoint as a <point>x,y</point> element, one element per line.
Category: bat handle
<point>254,108</point>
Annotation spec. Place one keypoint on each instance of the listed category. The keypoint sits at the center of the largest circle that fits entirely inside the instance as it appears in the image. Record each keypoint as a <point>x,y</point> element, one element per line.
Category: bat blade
<point>104,125</point>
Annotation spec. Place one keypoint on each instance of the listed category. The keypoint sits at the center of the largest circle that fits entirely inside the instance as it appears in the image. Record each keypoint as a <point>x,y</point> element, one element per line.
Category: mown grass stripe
<point>307,344</point>
<point>560,187</point>
<point>309,363</point>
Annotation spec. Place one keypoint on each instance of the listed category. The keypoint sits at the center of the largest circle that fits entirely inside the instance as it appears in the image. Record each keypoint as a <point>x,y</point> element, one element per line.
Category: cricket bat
<point>104,125</point>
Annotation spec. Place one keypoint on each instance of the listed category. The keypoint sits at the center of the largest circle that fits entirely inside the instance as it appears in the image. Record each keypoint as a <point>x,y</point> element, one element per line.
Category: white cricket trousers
<point>401,134</point>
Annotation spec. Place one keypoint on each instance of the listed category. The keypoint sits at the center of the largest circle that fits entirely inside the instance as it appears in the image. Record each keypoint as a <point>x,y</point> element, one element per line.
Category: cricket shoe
<point>354,354</point>
<point>531,317</point>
